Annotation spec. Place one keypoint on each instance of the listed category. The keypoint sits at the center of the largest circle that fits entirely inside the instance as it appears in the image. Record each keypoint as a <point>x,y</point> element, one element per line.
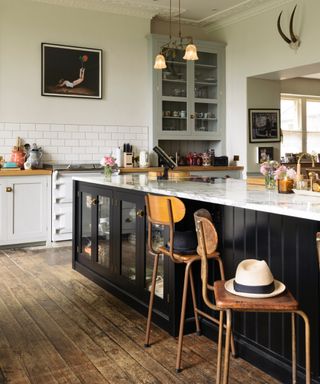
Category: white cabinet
<point>189,96</point>
<point>25,209</point>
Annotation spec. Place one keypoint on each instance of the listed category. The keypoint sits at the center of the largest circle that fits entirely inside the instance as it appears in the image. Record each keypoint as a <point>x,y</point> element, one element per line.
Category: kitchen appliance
<point>61,210</point>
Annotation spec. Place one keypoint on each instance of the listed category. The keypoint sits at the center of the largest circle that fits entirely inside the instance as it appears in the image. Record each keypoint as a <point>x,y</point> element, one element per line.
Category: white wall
<point>255,47</point>
<point>126,85</point>
<point>301,86</point>
<point>262,94</point>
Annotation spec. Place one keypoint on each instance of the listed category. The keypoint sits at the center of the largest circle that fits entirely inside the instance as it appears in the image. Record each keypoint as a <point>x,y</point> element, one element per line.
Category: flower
<point>108,161</point>
<point>283,172</point>
<point>268,167</point>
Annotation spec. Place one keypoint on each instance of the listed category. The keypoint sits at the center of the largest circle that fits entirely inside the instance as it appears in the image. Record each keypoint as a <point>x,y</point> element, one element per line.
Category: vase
<point>270,181</point>
<point>107,172</point>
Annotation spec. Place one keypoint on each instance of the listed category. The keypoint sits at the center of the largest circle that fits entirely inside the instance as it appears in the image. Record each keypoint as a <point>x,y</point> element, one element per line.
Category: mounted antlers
<point>294,42</point>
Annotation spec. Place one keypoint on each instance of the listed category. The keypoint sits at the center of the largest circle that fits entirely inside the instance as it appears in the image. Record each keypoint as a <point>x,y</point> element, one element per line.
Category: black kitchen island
<point>109,247</point>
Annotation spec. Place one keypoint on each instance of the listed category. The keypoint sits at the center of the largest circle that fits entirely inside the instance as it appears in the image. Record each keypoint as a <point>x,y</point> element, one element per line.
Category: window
<point>300,124</point>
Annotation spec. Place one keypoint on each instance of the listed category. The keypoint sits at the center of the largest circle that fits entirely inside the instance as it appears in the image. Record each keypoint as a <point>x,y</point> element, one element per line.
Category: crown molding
<point>119,7</point>
<point>243,11</point>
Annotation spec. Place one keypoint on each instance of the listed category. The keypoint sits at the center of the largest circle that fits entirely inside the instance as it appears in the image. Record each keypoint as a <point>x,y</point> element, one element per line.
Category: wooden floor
<point>56,326</point>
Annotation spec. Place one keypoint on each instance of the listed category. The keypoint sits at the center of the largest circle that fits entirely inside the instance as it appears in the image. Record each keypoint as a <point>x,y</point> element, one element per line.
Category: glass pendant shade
<point>191,53</point>
<point>160,62</point>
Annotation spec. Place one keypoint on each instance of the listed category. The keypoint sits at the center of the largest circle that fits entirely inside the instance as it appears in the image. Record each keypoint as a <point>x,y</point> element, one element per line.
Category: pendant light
<point>182,43</point>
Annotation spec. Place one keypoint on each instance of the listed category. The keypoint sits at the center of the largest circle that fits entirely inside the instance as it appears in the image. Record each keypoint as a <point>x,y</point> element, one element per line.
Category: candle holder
<point>285,186</point>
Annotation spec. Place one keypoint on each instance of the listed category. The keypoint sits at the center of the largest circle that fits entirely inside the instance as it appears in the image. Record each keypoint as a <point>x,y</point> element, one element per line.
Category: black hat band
<point>255,289</point>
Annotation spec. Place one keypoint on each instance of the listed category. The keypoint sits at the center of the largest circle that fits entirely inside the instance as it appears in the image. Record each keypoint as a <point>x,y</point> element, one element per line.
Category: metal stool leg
<point>182,316</point>
<point>227,349</point>
<point>294,349</point>
<point>194,301</point>
<point>307,345</point>
<point>153,288</point>
<point>219,354</point>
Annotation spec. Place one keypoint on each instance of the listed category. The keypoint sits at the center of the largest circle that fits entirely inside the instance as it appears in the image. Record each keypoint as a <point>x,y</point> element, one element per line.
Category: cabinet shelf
<point>174,117</point>
<point>174,81</point>
<point>176,62</point>
<point>205,83</point>
<point>206,118</point>
<point>199,65</point>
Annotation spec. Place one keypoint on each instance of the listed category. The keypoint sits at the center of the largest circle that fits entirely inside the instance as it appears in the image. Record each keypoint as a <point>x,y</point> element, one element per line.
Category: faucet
<point>305,154</point>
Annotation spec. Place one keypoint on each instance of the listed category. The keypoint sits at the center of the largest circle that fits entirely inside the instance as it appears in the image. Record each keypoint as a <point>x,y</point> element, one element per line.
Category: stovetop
<point>207,179</point>
<point>74,167</point>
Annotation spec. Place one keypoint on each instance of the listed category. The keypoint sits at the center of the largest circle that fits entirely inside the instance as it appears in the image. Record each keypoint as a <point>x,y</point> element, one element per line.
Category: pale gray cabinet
<point>189,96</point>
<point>25,209</point>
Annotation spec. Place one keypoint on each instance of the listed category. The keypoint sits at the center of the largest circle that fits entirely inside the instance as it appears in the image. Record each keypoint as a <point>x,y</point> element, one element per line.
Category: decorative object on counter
<point>17,154</point>
<point>264,125</point>
<point>268,169</point>
<point>180,43</point>
<point>33,156</point>
<point>285,177</point>
<point>1,161</point>
<point>10,166</point>
<point>66,61</point>
<point>206,160</point>
<point>144,159</point>
<point>108,162</point>
<point>221,161</point>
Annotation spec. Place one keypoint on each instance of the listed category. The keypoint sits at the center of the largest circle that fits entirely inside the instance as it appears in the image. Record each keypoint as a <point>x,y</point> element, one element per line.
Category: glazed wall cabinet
<point>189,96</point>
<point>25,209</point>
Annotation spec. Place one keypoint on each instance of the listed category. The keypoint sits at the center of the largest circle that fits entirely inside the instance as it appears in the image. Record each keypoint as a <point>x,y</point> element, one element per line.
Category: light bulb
<point>191,53</point>
<point>160,62</point>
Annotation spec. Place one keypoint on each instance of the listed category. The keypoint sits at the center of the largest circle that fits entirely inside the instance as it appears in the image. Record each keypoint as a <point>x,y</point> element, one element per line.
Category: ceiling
<point>198,12</point>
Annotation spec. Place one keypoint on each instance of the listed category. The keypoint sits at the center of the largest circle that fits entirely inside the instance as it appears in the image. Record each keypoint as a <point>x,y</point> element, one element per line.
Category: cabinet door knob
<point>140,213</point>
<point>93,202</point>
<point>9,189</point>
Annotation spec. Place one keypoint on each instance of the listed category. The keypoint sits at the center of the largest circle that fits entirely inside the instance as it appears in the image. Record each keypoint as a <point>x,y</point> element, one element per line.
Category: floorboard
<point>56,326</point>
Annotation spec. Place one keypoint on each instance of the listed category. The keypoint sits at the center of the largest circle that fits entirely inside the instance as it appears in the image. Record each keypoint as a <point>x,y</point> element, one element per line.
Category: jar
<point>18,157</point>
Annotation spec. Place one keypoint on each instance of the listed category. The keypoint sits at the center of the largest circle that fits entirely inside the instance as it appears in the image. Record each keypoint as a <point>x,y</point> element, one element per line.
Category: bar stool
<point>167,210</point>
<point>228,302</point>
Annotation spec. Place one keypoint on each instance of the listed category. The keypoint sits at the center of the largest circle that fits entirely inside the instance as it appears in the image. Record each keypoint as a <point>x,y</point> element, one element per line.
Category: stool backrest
<point>165,210</point>
<point>318,247</point>
<point>207,244</point>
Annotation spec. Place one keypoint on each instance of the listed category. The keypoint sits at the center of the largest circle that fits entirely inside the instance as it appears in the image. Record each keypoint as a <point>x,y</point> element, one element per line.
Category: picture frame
<point>264,154</point>
<point>69,71</point>
<point>264,125</point>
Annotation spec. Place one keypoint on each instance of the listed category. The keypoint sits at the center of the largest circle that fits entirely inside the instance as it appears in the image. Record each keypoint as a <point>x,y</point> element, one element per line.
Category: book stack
<point>10,166</point>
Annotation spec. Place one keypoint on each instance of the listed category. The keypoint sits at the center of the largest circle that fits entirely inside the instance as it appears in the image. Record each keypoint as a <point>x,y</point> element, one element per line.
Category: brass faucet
<point>305,154</point>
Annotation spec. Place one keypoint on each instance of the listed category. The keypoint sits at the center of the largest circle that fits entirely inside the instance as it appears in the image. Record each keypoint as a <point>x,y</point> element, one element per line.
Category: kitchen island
<point>109,247</point>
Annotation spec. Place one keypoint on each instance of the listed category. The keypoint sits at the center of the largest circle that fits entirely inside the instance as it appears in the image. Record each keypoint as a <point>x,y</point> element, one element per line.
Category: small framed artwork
<point>264,125</point>
<point>71,71</point>
<point>264,154</point>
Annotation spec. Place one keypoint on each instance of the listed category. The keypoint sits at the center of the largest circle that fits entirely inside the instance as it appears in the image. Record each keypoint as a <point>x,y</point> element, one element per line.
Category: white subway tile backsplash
<point>72,142</point>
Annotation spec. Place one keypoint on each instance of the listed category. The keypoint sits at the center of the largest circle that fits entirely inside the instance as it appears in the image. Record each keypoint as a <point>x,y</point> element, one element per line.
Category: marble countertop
<point>230,192</point>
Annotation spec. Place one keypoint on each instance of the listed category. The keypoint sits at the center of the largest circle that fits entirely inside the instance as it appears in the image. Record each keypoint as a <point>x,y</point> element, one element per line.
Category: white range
<point>61,212</point>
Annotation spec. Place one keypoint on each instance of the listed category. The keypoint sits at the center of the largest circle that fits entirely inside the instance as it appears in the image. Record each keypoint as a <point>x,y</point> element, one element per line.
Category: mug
<point>183,114</point>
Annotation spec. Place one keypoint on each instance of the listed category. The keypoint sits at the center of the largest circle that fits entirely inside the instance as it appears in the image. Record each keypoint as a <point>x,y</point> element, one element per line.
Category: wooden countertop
<point>183,169</point>
<point>26,172</point>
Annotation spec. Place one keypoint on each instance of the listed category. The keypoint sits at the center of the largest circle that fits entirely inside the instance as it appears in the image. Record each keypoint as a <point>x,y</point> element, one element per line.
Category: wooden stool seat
<point>187,258</point>
<point>284,302</point>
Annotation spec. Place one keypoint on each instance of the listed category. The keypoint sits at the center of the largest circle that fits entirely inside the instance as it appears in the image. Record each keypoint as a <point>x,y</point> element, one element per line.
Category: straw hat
<point>254,279</point>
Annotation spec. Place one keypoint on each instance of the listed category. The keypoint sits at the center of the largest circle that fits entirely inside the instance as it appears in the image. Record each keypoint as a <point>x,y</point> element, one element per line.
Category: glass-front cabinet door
<point>130,218</point>
<point>94,228</point>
